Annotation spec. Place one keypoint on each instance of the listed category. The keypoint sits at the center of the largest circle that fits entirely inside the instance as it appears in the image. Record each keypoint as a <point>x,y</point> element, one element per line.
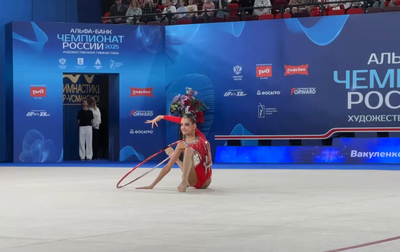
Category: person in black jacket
<point>118,9</point>
<point>85,118</point>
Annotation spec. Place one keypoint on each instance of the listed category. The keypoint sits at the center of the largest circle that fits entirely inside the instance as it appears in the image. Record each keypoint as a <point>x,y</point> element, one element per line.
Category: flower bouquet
<point>188,103</point>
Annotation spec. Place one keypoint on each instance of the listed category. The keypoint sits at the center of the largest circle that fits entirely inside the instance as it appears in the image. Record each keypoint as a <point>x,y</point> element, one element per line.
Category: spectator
<point>209,6</point>
<point>95,127</point>
<point>300,8</point>
<point>85,117</point>
<point>133,10</point>
<point>379,4</point>
<point>118,9</point>
<point>191,7</point>
<point>216,3</point>
<point>355,5</point>
<point>336,6</point>
<point>182,8</point>
<point>311,7</point>
<point>149,8</point>
<point>247,4</point>
<point>223,12</point>
<point>168,9</point>
<point>293,11</point>
<point>162,4</point>
<point>262,3</point>
<point>392,3</point>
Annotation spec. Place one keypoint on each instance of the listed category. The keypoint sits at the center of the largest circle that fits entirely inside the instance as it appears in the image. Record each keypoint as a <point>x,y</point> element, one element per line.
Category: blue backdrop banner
<point>256,81</point>
<point>303,78</point>
<point>343,150</point>
<point>43,52</point>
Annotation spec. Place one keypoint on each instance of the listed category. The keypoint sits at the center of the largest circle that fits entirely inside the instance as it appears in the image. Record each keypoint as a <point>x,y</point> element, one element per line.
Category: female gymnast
<point>197,161</point>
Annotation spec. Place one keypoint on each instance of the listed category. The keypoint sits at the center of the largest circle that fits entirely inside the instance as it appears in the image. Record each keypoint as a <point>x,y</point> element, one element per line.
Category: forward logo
<point>303,91</point>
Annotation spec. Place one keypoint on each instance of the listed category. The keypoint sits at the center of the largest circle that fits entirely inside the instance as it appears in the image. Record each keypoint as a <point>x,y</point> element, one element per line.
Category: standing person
<point>85,117</point>
<point>95,127</point>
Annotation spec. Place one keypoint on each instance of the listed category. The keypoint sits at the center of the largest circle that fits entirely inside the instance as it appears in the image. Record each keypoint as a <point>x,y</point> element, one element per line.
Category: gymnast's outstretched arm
<point>167,168</point>
<point>174,119</point>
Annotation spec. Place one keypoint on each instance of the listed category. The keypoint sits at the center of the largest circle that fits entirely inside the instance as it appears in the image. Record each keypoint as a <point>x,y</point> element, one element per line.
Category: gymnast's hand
<point>154,121</point>
<point>145,187</point>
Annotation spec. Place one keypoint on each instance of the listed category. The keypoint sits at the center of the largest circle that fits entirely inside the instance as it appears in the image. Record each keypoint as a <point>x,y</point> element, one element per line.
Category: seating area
<point>168,12</point>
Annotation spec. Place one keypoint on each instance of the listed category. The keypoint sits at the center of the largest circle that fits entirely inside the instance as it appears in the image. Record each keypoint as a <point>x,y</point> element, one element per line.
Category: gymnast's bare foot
<point>182,187</point>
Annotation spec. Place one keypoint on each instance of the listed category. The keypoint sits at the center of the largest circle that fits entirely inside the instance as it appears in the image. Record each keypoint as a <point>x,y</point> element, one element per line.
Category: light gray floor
<point>79,209</point>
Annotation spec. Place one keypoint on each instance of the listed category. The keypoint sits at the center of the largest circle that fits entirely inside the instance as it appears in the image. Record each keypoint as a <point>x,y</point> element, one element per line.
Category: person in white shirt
<point>191,7</point>
<point>169,9</point>
<point>336,6</point>
<point>96,127</point>
<point>133,10</point>
<point>262,3</point>
<point>181,8</point>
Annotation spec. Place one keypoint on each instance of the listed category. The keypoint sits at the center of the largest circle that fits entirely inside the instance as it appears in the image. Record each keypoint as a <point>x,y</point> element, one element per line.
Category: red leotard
<point>202,154</point>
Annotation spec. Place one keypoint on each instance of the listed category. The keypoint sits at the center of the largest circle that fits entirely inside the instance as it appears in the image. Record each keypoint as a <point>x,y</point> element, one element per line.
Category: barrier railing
<point>277,7</point>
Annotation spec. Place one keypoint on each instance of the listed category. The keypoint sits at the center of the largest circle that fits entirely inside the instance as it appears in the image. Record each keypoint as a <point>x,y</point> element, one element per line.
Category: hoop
<point>143,162</point>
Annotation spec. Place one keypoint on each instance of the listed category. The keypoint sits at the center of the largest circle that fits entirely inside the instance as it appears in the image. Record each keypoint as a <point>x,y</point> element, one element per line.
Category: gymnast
<point>197,161</point>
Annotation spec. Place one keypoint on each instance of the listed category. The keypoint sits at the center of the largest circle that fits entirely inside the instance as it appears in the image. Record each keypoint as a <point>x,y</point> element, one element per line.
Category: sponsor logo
<point>268,92</point>
<point>114,64</point>
<point>237,92</point>
<point>38,91</point>
<point>293,70</point>
<point>62,63</point>
<point>141,132</point>
<point>142,113</point>
<point>40,113</point>
<point>142,92</point>
<point>237,70</point>
<point>263,111</point>
<point>303,91</point>
<point>97,64</point>
<point>80,63</point>
<point>264,71</point>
